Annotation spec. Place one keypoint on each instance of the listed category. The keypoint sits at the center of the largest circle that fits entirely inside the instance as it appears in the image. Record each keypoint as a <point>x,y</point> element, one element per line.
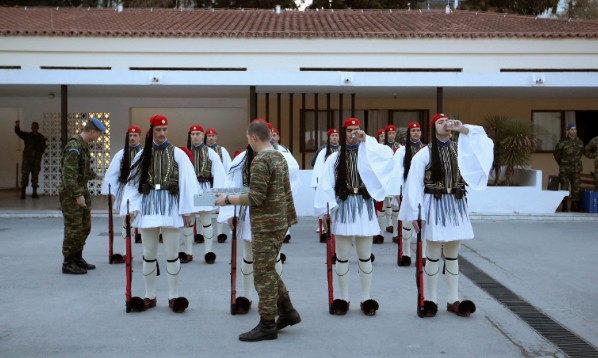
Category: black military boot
<point>34,194</point>
<point>82,263</point>
<point>23,193</point>
<point>287,314</point>
<point>71,267</point>
<point>265,330</point>
<point>565,205</point>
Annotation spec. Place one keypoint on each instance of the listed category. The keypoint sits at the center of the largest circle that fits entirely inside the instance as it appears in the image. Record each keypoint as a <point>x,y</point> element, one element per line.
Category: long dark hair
<point>249,155</point>
<point>437,170</point>
<point>340,188</point>
<point>408,155</point>
<point>141,167</point>
<point>189,140</point>
<point>125,164</point>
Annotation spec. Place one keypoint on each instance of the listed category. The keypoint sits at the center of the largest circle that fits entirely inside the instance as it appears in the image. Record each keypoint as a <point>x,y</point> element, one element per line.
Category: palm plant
<point>514,143</point>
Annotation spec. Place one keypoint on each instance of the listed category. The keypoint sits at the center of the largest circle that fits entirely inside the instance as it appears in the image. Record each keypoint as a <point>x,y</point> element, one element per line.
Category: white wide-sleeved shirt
<point>474,158</point>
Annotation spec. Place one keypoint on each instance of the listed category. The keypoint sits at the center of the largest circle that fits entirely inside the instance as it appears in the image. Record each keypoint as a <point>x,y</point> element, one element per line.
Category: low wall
<point>525,198</point>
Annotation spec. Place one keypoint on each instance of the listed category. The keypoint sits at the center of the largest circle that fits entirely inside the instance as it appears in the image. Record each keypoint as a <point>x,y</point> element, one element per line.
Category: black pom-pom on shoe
<point>430,309</point>
<point>136,304</point>
<point>287,238</point>
<point>378,239</point>
<point>283,257</point>
<point>340,307</point>
<point>184,257</point>
<point>210,258</point>
<point>369,307</point>
<point>198,239</point>
<point>461,308</point>
<point>242,305</point>
<point>221,238</point>
<point>178,305</point>
<point>405,261</point>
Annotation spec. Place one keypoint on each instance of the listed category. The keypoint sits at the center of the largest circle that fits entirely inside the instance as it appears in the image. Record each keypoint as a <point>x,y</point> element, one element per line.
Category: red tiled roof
<point>288,24</point>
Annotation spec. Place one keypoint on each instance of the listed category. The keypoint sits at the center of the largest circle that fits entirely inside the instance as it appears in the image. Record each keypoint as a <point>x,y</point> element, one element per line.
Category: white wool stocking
<point>205,218</point>
<point>431,271</point>
<point>395,220</point>
<point>388,212</point>
<point>406,232</point>
<point>381,215</point>
<point>170,237</point>
<point>188,236</point>
<point>451,269</point>
<point>363,245</point>
<point>150,253</point>
<point>343,247</point>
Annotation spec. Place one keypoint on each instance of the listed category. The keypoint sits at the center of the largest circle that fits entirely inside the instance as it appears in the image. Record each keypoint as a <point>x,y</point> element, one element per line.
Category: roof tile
<point>288,24</point>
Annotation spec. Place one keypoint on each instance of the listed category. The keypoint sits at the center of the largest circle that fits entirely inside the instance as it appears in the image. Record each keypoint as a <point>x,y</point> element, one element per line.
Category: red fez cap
<point>437,117</point>
<point>332,131</point>
<point>158,120</point>
<point>391,128</point>
<point>188,152</point>
<point>351,122</point>
<point>276,131</point>
<point>134,129</point>
<point>381,131</point>
<point>237,152</point>
<point>210,131</point>
<point>414,125</point>
<point>195,128</point>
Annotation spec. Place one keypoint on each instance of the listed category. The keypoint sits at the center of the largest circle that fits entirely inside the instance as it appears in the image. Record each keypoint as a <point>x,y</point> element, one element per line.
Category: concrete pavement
<point>46,313</point>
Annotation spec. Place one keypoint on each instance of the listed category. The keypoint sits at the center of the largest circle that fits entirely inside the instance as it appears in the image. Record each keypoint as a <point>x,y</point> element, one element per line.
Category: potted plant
<point>514,143</point>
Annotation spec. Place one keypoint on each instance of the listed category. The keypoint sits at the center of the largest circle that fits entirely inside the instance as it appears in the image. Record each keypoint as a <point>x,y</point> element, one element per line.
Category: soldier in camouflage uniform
<point>75,201</point>
<point>568,154</point>
<point>35,145</point>
<point>272,213</point>
<point>591,151</point>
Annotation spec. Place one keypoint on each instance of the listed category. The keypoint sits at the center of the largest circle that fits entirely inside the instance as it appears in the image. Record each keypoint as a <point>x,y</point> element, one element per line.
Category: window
<point>550,126</point>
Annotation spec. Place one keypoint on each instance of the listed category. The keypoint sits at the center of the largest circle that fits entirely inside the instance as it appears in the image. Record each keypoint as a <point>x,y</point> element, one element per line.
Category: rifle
<point>134,304</point>
<point>329,262</point>
<point>400,232</point>
<point>110,225</point>
<point>233,266</point>
<point>419,273</point>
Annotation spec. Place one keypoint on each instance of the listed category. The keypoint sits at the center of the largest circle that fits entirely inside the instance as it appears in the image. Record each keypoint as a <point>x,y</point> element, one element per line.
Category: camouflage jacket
<point>568,154</point>
<point>591,151</point>
<point>76,168</point>
<point>270,197</point>
<point>35,144</point>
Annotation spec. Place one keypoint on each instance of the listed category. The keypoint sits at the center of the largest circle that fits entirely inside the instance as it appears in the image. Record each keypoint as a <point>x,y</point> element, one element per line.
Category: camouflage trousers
<point>77,224</point>
<point>33,167</point>
<point>268,284</point>
<point>573,179</point>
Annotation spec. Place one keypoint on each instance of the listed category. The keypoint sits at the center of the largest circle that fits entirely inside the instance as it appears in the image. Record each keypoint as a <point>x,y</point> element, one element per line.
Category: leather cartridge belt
<point>173,188</point>
<point>458,192</point>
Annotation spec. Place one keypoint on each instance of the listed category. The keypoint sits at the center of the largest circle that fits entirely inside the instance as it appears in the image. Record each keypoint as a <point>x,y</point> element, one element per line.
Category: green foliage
<point>514,143</point>
<point>522,7</point>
